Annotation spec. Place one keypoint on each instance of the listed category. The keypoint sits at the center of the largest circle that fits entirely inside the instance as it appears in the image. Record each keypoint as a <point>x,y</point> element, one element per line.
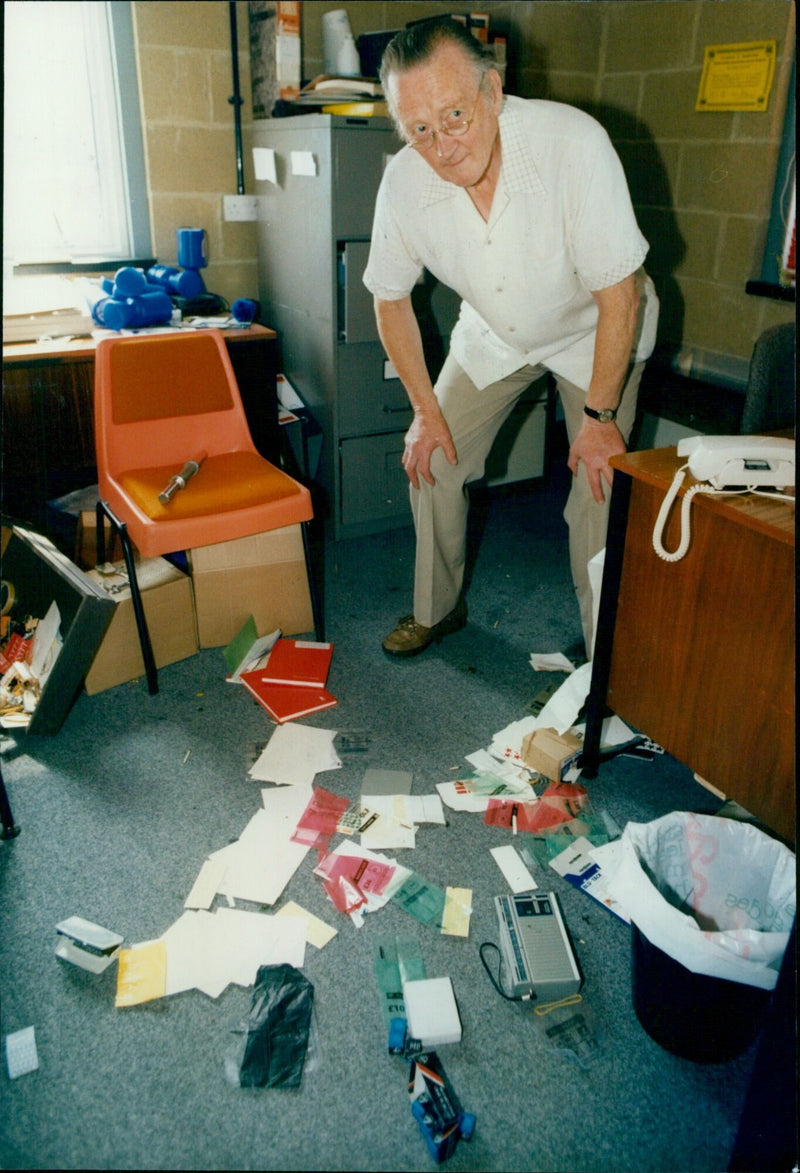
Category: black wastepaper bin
<point>711,902</point>
<point>707,1019</point>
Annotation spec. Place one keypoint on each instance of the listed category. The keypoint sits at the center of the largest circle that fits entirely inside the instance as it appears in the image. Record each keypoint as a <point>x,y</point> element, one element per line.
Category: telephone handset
<point>749,462</point>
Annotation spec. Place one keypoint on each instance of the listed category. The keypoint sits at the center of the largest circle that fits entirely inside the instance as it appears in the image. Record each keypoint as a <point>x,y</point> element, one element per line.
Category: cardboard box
<point>549,753</point>
<point>41,575</point>
<point>264,576</point>
<point>169,609</point>
<point>72,524</point>
<point>86,541</point>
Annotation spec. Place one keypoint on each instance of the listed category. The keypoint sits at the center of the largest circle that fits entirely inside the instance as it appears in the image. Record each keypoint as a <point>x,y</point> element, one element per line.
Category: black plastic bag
<point>277,1028</point>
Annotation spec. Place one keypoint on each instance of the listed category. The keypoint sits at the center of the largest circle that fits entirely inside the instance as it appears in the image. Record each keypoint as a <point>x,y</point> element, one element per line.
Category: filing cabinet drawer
<point>518,452</point>
<point>374,484</point>
<point>368,402</point>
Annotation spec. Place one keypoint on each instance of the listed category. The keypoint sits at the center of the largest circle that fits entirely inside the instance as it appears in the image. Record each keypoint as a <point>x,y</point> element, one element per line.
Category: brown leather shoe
<point>410,638</point>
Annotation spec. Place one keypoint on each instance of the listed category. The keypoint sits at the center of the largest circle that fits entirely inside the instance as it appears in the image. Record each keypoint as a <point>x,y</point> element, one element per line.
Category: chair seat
<point>231,481</point>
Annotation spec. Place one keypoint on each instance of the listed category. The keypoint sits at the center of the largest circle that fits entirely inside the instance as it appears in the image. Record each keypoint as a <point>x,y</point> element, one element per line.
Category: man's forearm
<point>616,329</point>
<point>401,339</point>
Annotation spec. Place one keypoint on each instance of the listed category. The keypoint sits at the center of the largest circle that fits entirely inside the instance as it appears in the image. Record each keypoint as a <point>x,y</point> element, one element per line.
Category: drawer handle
<point>395,410</point>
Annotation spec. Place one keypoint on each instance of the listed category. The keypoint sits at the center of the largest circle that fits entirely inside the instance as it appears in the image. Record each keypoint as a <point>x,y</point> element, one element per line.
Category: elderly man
<point>522,208</point>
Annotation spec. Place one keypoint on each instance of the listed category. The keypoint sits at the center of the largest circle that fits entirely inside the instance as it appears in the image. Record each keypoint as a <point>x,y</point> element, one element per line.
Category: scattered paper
<point>388,833</point>
<point>22,1056</point>
<point>318,932</point>
<point>209,951</point>
<point>578,864</point>
<point>295,754</point>
<point>206,885</point>
<point>141,973</point>
<point>457,912</point>
<point>551,662</point>
<point>261,862</point>
<point>514,773</point>
<point>454,795</point>
<point>561,711</point>
<point>517,876</point>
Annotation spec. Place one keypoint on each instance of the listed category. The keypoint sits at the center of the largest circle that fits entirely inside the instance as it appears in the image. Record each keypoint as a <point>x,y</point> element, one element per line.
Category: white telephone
<point>740,460</point>
<point>749,462</point>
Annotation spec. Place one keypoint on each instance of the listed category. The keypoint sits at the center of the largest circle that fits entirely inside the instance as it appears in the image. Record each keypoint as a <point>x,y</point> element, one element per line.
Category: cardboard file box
<point>169,609</point>
<point>263,576</point>
<point>41,575</point>
<point>551,754</point>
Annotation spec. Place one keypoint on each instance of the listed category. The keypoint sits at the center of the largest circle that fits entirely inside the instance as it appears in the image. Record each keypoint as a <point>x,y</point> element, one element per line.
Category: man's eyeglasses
<point>453,125</point>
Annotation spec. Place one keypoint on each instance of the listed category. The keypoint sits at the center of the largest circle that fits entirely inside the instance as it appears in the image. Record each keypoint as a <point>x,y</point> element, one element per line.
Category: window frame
<point>129,105</point>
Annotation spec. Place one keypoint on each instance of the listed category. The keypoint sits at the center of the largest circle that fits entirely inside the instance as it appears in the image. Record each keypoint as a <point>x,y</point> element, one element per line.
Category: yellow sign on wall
<point>737,77</point>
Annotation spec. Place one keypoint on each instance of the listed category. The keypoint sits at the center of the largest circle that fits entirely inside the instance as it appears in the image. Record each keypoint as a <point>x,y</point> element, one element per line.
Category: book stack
<point>292,682</point>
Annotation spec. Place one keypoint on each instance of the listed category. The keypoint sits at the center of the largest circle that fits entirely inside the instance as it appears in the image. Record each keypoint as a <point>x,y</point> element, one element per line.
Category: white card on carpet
<point>517,876</point>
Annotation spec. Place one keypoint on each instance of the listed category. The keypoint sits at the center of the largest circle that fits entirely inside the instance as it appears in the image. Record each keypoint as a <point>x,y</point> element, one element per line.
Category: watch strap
<point>606,416</point>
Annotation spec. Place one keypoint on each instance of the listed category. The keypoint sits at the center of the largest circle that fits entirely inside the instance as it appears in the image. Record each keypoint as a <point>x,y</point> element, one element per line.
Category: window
<point>74,188</point>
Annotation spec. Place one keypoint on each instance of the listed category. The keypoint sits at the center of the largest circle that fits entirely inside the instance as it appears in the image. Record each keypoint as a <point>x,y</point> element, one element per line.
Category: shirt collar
<point>518,173</point>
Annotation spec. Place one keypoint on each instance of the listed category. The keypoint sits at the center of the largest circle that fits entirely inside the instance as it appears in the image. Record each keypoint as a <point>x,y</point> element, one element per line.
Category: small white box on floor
<point>87,945</point>
<point>431,1011</point>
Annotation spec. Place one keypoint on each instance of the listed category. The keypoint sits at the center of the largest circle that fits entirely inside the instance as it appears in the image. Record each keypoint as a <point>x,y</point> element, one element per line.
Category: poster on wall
<point>737,77</point>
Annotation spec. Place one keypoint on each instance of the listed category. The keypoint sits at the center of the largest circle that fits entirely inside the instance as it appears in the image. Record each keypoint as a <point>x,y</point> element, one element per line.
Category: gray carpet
<point>116,823</point>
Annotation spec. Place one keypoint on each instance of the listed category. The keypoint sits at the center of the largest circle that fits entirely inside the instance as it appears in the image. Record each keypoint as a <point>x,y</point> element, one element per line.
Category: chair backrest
<point>162,399</point>
<point>769,403</point>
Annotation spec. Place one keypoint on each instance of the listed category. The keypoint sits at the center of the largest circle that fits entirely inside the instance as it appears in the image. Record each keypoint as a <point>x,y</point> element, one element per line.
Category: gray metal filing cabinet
<point>314,225</point>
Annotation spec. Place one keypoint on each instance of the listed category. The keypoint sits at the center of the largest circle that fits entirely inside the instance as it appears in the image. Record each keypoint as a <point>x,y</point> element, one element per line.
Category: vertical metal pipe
<point>236,99</point>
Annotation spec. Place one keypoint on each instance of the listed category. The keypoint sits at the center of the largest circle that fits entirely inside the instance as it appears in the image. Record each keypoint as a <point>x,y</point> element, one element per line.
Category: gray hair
<point>416,44</point>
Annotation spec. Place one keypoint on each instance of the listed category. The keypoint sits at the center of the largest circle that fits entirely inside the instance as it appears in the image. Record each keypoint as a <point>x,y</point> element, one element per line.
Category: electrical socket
<point>240,207</point>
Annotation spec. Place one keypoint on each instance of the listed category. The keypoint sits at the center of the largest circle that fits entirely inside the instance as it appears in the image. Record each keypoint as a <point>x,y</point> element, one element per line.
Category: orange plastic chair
<point>162,400</point>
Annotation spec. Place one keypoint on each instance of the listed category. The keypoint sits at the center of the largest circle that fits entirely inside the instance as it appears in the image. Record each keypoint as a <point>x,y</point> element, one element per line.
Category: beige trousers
<point>440,511</point>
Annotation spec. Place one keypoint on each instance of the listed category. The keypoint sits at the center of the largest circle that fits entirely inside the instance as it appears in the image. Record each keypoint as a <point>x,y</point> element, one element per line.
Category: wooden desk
<point>48,415</point>
<point>699,654</point>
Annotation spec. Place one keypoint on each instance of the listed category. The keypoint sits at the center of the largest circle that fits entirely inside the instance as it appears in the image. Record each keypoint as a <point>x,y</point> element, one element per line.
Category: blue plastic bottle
<point>151,309</point>
<point>186,283</point>
<point>129,282</point>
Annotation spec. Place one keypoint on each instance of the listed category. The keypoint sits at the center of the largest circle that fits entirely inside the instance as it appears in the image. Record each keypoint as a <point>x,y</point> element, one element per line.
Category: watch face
<point>606,416</point>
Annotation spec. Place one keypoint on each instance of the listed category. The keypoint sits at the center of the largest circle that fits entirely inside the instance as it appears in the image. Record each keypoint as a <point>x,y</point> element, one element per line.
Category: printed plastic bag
<point>715,894</point>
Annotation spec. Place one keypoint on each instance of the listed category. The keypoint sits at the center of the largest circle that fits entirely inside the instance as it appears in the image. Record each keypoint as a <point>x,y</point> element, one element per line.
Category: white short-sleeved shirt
<point>561,225</point>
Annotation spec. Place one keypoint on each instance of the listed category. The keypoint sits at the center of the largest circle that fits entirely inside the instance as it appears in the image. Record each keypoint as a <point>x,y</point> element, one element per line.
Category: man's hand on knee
<point>595,444</point>
<point>427,433</point>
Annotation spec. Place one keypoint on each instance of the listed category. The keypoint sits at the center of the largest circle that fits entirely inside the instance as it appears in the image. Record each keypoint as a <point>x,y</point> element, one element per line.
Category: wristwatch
<point>606,416</point>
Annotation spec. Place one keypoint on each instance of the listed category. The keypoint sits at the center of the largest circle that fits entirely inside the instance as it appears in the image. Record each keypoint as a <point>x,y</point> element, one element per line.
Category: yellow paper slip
<point>142,974</point>
<point>457,911</point>
<point>318,933</point>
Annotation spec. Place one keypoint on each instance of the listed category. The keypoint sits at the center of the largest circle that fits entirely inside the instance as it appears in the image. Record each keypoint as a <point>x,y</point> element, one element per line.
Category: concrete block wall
<point>186,78</point>
<point>701,182</point>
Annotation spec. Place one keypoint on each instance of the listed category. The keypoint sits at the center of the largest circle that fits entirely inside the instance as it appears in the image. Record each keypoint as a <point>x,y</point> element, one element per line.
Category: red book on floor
<point>285,702</point>
<point>298,661</point>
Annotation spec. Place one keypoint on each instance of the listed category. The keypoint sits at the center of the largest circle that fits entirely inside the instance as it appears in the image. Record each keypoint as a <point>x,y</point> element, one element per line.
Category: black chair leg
<point>315,586</point>
<point>8,828</point>
<point>104,510</point>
